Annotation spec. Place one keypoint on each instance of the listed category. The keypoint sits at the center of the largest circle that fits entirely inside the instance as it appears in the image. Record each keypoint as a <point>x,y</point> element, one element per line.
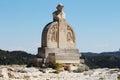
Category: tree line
<point>102,60</point>
<point>93,60</point>
<point>15,57</point>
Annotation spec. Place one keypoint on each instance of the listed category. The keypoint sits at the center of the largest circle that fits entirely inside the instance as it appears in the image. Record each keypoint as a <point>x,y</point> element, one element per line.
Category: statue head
<point>60,7</point>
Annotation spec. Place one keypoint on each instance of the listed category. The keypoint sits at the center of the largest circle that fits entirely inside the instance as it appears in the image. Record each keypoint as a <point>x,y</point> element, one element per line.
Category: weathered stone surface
<point>59,55</point>
<point>58,41</point>
<point>54,37</point>
<point>4,73</point>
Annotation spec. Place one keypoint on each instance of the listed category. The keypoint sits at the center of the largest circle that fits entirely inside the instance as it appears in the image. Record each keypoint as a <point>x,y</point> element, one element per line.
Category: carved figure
<point>70,35</point>
<point>53,34</point>
<point>59,14</point>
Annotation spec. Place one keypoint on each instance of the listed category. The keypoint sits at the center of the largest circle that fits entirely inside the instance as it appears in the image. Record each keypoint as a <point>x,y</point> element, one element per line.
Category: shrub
<point>118,78</point>
<point>81,68</point>
<point>56,66</point>
<point>26,77</point>
<point>41,70</point>
<point>101,78</point>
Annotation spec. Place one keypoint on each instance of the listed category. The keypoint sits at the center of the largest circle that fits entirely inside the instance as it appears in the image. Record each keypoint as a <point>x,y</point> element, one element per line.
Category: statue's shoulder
<point>55,12</point>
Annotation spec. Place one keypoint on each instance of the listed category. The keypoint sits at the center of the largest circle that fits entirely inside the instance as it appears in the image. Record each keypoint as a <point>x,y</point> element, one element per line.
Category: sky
<point>96,23</point>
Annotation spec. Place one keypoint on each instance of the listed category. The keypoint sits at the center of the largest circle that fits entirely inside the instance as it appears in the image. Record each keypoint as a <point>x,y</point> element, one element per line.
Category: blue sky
<point>95,22</point>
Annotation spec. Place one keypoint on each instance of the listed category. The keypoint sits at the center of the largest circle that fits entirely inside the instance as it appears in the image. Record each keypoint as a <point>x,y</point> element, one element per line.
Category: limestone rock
<point>4,73</point>
<point>34,74</point>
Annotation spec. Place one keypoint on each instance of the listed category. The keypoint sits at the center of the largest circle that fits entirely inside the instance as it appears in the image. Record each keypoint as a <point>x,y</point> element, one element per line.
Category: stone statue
<point>58,41</point>
<point>59,14</point>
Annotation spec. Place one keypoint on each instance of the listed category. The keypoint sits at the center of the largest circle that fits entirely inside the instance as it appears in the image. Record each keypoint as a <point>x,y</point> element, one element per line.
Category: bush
<point>101,78</point>
<point>118,78</point>
<point>56,66</point>
<point>82,68</point>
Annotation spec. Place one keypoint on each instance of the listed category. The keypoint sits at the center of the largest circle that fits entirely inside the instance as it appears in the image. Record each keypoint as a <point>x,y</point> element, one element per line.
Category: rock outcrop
<point>32,73</point>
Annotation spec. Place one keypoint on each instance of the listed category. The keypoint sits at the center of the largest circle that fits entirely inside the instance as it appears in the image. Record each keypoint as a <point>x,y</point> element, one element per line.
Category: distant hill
<point>116,53</point>
<point>15,57</point>
<point>93,60</point>
<point>102,60</point>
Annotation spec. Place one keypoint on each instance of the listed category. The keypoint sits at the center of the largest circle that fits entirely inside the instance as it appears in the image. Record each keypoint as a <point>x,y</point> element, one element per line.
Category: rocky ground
<point>17,72</point>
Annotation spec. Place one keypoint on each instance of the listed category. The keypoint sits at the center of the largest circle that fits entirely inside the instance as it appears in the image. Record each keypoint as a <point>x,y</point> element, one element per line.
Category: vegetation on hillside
<point>102,60</point>
<point>93,60</point>
<point>15,57</point>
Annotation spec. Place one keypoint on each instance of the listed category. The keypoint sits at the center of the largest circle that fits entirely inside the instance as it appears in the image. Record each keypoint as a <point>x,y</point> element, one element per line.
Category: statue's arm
<point>55,17</point>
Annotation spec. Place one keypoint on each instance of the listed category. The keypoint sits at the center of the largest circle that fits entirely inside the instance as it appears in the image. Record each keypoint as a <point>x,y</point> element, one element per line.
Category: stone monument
<point>58,41</point>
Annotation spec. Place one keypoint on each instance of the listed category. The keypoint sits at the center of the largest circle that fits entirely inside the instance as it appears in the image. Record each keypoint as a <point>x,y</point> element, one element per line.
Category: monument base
<point>65,56</point>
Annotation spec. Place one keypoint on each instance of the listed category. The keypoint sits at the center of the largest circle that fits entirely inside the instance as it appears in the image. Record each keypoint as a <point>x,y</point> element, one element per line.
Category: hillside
<point>15,57</point>
<point>102,60</point>
<point>93,60</point>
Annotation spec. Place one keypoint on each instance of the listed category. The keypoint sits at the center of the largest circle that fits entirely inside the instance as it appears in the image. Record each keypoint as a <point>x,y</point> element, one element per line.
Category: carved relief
<point>53,34</point>
<point>70,35</point>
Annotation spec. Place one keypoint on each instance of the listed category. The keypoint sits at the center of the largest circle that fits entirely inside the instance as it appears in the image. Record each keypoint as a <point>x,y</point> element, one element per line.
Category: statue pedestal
<point>59,55</point>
